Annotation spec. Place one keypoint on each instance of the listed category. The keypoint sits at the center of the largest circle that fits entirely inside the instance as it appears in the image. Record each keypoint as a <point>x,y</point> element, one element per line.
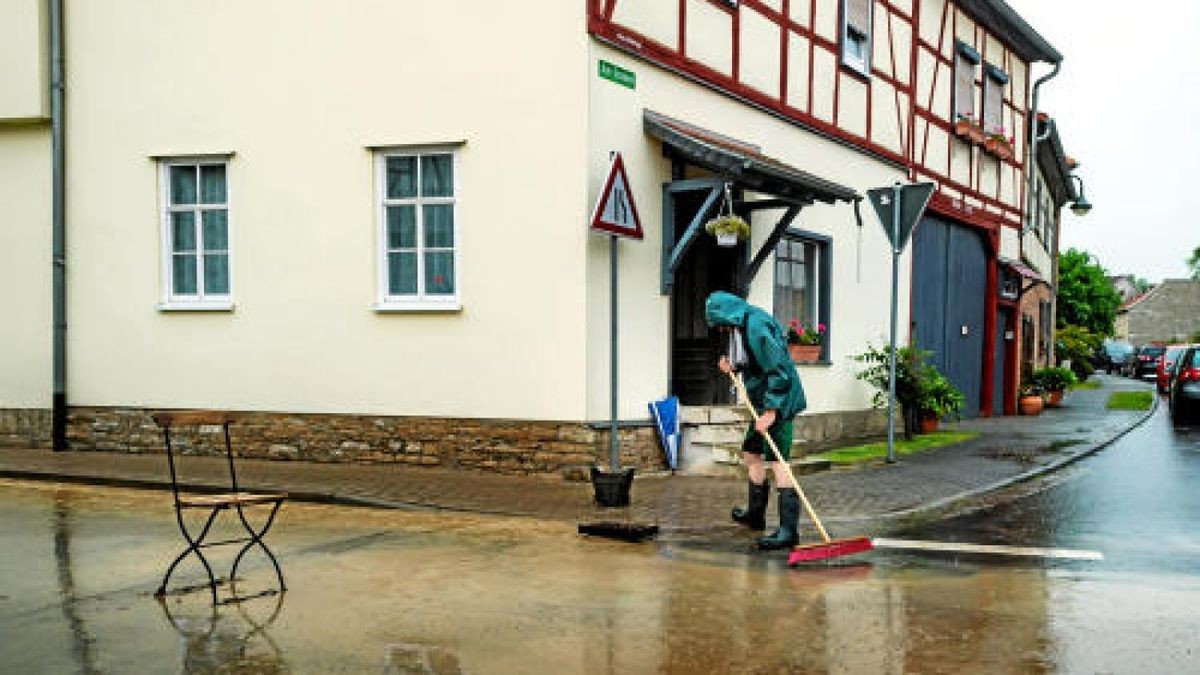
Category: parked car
<point>1113,355</point>
<point>1166,363</point>
<point>1185,386</point>
<point>1145,361</point>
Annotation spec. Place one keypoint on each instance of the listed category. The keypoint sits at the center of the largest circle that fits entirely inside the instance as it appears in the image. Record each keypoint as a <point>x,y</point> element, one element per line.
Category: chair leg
<point>256,537</point>
<point>193,547</point>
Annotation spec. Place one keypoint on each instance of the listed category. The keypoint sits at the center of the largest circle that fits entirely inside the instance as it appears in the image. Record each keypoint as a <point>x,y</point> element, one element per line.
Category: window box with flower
<point>999,145</point>
<point>969,129</point>
<point>804,342</point>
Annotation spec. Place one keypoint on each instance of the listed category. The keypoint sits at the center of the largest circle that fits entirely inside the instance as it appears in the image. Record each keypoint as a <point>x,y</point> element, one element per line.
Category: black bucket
<point>612,489</point>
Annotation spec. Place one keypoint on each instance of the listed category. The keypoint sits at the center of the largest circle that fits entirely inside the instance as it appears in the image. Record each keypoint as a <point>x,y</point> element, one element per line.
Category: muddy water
<point>397,592</point>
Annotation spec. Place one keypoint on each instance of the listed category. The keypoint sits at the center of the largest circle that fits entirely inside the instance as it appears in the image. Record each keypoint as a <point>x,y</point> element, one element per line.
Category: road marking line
<point>956,547</point>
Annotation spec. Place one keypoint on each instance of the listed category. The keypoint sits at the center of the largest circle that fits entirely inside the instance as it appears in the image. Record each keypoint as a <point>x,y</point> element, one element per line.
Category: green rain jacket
<point>770,377</point>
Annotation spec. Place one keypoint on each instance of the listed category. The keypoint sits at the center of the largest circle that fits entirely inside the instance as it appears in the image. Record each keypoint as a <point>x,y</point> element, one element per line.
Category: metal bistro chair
<point>216,503</point>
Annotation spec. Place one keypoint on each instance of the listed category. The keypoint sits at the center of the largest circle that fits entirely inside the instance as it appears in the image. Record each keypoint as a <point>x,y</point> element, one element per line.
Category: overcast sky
<point>1127,103</point>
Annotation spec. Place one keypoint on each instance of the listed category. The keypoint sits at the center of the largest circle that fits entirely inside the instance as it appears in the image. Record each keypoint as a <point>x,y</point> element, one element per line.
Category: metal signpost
<point>899,208</point>
<point>615,215</point>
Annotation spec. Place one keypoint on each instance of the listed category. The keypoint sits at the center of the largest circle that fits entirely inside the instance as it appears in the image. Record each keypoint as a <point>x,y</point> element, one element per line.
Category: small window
<point>802,282</point>
<point>966,66</point>
<point>196,232</point>
<point>856,34</point>
<point>994,82</point>
<point>418,228</point>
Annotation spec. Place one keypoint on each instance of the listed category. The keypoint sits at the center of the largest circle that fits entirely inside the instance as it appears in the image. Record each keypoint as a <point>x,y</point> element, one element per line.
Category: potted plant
<point>910,364</point>
<point>1054,380</point>
<point>804,343</point>
<point>728,229</point>
<point>969,129</point>
<point>999,144</point>
<point>1031,402</point>
<point>936,399</point>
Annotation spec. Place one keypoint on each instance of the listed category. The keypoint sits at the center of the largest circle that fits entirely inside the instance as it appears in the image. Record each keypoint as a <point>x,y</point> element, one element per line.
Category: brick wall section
<point>1169,313</point>
<point>25,428</point>
<point>501,446</point>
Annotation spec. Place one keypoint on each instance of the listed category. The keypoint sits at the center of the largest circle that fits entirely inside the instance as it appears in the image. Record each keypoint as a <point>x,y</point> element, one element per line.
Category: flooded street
<point>398,592</point>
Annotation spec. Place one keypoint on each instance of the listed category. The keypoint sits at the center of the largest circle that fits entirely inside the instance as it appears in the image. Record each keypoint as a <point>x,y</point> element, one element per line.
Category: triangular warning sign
<point>615,212</point>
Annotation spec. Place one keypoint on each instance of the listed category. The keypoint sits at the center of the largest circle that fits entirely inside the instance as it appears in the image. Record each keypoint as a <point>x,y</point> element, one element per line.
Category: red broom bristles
<point>833,549</point>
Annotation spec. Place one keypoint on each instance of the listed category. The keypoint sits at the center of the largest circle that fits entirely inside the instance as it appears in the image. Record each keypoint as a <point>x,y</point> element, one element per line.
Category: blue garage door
<point>949,291</point>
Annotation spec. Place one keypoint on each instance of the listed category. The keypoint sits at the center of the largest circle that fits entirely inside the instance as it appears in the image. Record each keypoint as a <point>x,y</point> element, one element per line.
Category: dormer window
<point>856,35</point>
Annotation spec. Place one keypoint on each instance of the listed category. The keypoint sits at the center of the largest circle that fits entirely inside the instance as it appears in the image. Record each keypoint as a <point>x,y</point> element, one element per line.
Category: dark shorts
<point>781,433</point>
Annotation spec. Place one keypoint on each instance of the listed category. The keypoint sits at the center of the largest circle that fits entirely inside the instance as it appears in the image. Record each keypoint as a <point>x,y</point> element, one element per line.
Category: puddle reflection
<point>227,637</point>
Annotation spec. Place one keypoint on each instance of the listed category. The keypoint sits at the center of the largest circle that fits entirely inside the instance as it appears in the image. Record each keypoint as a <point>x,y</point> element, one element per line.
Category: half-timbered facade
<point>367,252</point>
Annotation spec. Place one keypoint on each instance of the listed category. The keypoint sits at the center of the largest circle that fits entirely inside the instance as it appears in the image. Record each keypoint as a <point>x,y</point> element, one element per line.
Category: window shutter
<point>858,15</point>
<point>993,104</point>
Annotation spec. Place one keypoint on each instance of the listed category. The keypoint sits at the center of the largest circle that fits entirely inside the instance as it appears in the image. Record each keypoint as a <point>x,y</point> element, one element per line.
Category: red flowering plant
<point>798,334</point>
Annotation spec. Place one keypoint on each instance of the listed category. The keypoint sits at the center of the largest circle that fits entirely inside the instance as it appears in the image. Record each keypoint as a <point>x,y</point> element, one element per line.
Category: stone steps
<point>712,440</point>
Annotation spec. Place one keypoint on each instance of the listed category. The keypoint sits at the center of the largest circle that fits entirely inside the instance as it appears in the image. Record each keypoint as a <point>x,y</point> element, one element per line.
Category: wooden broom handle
<point>745,398</point>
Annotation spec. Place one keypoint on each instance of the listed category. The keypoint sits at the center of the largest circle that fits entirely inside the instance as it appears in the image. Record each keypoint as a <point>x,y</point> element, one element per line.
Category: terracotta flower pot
<point>1055,399</point>
<point>804,353</point>
<point>1031,405</point>
<point>929,424</point>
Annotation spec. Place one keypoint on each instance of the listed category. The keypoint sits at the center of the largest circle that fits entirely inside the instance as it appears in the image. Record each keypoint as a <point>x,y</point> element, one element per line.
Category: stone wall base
<point>817,432</point>
<point>501,446</point>
<point>25,428</point>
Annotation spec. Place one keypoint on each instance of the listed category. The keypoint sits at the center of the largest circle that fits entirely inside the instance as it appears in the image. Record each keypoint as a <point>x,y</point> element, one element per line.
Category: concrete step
<point>724,459</point>
<point>714,414</point>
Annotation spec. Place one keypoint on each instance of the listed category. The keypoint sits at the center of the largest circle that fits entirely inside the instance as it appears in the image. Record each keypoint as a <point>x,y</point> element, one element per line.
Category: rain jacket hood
<point>771,377</point>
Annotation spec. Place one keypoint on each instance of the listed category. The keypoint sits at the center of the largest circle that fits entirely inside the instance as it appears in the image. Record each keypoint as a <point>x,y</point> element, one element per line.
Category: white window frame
<point>861,66</point>
<point>200,301</point>
<point>420,301</point>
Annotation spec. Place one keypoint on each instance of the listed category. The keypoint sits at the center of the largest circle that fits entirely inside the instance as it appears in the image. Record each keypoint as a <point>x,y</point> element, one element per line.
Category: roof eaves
<point>1004,21</point>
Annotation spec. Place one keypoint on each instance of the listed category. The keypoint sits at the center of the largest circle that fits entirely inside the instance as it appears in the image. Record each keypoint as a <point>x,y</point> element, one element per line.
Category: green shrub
<point>920,388</point>
<point>1054,378</point>
<point>1078,345</point>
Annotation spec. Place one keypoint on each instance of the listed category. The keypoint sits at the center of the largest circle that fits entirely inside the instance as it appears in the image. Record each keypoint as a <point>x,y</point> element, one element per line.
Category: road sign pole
<point>612,435</point>
<point>891,439</point>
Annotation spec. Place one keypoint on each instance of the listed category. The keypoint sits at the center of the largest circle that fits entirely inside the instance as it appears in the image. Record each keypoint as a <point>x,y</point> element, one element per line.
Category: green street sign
<point>615,73</point>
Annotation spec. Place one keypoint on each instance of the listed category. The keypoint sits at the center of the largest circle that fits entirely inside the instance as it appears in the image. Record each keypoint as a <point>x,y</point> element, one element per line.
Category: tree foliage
<point>1085,297</point>
<point>1077,345</point>
<point>1193,263</point>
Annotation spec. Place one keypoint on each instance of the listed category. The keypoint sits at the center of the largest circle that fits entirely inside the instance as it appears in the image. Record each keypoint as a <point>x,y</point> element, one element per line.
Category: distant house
<point>1170,312</point>
<point>1127,286</point>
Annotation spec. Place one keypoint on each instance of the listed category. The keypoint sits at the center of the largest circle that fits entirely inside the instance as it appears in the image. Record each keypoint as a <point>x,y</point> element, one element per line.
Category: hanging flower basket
<point>969,130</point>
<point>728,229</point>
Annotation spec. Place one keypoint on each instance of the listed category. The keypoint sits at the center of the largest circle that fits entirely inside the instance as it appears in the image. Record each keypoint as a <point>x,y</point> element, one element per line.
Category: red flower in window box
<point>969,129</point>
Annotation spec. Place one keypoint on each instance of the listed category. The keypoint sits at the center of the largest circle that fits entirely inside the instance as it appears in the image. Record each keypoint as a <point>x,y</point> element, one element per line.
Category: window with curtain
<point>856,34</point>
<point>966,62</point>
<point>418,210</point>
<point>802,267</point>
<point>196,220</point>
<point>994,81</point>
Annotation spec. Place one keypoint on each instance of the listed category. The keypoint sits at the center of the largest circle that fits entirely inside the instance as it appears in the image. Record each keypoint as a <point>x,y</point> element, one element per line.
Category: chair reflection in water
<point>235,500</point>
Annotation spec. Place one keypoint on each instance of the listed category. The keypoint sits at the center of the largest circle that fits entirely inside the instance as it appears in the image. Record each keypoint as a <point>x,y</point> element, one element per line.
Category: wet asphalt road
<point>398,592</point>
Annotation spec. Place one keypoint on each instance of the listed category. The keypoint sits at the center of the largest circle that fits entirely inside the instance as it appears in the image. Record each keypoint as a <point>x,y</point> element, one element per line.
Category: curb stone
<point>945,505</point>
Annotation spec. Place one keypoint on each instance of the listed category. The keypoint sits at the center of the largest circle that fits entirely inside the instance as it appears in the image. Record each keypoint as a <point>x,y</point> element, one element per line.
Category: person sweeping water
<point>758,349</point>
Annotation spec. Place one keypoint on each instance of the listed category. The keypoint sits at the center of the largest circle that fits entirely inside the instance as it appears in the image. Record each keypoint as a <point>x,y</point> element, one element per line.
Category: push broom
<point>828,548</point>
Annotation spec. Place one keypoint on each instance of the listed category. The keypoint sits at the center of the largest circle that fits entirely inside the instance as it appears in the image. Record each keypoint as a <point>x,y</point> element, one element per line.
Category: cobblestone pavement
<point>1007,447</point>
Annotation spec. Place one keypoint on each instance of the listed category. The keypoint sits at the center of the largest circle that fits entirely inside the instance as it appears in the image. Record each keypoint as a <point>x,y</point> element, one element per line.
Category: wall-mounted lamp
<point>1081,206</point>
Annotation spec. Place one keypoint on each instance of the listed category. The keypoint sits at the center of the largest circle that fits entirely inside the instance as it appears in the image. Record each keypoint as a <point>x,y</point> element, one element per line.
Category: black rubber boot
<point>789,519</point>
<point>754,516</point>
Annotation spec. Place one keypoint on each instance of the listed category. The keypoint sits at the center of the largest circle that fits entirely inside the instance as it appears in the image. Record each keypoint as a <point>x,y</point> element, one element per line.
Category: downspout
<point>1034,140</point>
<point>1031,183</point>
<point>58,220</point>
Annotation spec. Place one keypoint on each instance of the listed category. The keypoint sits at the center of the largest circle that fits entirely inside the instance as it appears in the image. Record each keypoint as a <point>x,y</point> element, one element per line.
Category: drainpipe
<point>58,218</point>
<point>1034,139</point>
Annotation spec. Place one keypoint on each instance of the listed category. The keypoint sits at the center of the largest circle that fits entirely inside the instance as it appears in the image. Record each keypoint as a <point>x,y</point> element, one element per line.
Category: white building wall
<point>861,274</point>
<point>300,90</point>
<point>25,279</point>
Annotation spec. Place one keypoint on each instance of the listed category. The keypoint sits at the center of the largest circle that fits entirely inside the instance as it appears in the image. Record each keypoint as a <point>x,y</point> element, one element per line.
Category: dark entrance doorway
<point>950,265</point>
<point>694,347</point>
